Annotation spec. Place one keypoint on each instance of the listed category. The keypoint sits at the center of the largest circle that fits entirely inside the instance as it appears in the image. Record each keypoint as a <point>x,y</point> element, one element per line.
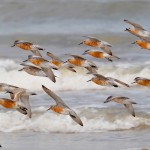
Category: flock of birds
<point>36,65</point>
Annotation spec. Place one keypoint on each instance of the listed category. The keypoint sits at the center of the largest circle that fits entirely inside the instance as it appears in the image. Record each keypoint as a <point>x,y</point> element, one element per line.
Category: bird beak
<point>89,80</point>
<point>25,60</point>
<point>107,100</point>
<point>65,61</point>
<point>133,43</point>
<point>48,109</point>
<point>126,29</point>
<point>23,64</point>
<point>13,45</point>
<point>33,93</point>
<point>20,69</point>
<point>80,43</point>
<point>133,82</point>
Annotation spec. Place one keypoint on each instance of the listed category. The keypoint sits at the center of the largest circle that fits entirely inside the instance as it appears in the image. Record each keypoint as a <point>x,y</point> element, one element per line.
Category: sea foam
<point>67,80</point>
<point>47,121</point>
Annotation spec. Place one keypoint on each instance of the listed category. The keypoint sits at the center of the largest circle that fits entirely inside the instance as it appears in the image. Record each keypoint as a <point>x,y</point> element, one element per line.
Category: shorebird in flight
<point>60,63</point>
<point>44,64</point>
<point>99,54</point>
<point>61,107</point>
<point>19,102</point>
<point>94,42</point>
<point>138,31</point>
<point>11,88</point>
<point>81,62</point>
<point>142,81</point>
<point>142,44</point>
<point>106,81</point>
<point>32,70</point>
<point>127,102</point>
<point>28,46</point>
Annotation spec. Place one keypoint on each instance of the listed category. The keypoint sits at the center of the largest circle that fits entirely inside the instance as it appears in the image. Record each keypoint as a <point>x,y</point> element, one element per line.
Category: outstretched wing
<point>92,38</point>
<point>18,94</point>
<point>76,56</point>
<point>25,42</point>
<point>136,26</point>
<point>57,99</point>
<point>100,76</point>
<point>120,82</point>
<point>91,70</point>
<point>106,49</point>
<point>130,109</point>
<point>36,52</point>
<point>49,73</point>
<point>75,117</point>
<point>54,57</point>
<point>25,100</point>
<point>21,110</point>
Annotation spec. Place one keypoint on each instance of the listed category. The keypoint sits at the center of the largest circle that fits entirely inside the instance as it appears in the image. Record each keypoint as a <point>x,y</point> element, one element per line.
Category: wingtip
<point>44,87</point>
<point>29,56</point>
<point>48,53</point>
<point>115,85</point>
<point>81,124</point>
<point>133,115</point>
<point>126,29</point>
<point>80,43</point>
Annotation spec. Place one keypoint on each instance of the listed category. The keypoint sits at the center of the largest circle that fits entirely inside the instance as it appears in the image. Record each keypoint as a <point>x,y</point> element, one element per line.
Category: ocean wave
<point>94,120</point>
<point>67,80</point>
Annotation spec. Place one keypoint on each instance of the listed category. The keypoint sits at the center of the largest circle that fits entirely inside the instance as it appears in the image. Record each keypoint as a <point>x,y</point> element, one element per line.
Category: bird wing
<point>54,57</point>
<point>76,56</point>
<point>120,82</point>
<point>37,47</point>
<point>93,65</point>
<point>100,76</point>
<point>69,67</point>
<point>36,52</point>
<point>75,117</point>
<point>92,38</point>
<point>25,42</point>
<point>57,99</point>
<point>22,111</point>
<point>91,70</point>
<point>29,64</point>
<point>25,100</point>
<point>136,26</point>
<point>49,73</point>
<point>147,39</point>
<point>17,94</point>
<point>130,109</point>
<point>123,98</point>
<point>12,86</point>
<point>106,43</point>
<point>106,49</point>
<point>12,95</point>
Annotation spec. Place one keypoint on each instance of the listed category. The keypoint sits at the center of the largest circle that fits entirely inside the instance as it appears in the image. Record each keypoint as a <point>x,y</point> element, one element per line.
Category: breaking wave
<point>94,120</point>
<point>67,80</point>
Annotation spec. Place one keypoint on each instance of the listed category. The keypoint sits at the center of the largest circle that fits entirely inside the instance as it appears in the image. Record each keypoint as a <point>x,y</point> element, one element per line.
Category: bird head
<point>108,99</point>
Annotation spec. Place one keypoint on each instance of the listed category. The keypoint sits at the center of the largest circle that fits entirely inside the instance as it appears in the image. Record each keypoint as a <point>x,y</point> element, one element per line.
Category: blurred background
<point>58,25</point>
